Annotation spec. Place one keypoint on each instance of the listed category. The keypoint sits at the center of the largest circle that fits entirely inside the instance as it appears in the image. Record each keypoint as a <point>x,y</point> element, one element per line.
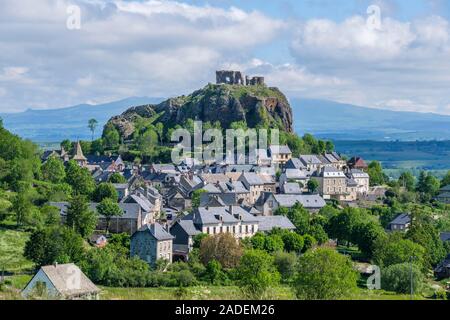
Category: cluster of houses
<point>242,200</point>
<point>156,199</point>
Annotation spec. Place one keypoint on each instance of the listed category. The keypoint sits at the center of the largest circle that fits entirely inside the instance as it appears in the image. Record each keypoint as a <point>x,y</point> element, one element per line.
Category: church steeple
<point>79,156</point>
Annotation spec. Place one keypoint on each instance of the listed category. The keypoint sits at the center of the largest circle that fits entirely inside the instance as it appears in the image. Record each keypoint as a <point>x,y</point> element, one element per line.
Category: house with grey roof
<point>442,270</point>
<point>131,220</point>
<point>280,154</point>
<point>184,232</point>
<point>268,203</point>
<point>152,243</point>
<point>268,223</point>
<point>291,188</point>
<point>444,195</point>
<point>254,183</point>
<point>61,281</point>
<point>401,223</point>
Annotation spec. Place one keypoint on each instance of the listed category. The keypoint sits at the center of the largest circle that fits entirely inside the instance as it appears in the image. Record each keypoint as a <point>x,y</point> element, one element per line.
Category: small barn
<point>61,281</point>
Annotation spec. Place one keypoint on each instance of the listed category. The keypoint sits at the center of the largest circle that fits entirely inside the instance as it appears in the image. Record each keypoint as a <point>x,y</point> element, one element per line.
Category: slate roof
<point>445,188</point>
<point>295,163</point>
<point>307,200</point>
<point>402,219</point>
<point>252,178</point>
<point>445,236</point>
<point>189,227</point>
<point>267,223</point>
<point>157,231</point>
<point>280,149</point>
<point>292,188</point>
<point>310,159</point>
<point>130,210</point>
<point>61,275</point>
<point>295,174</point>
<point>211,215</point>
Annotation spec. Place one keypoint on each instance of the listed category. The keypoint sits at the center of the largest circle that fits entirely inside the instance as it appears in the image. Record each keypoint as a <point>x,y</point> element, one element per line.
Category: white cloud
<point>153,48</point>
<point>403,66</point>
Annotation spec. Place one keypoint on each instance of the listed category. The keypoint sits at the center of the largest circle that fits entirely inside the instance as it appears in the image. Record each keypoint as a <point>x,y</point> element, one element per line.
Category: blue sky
<point>321,49</point>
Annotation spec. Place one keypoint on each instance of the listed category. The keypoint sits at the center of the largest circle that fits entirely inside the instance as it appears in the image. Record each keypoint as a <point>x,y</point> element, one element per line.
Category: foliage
<point>393,249</point>
<point>105,191</point>
<point>116,177</point>
<point>54,244</point>
<point>80,218</point>
<point>257,273</point>
<point>312,185</point>
<point>196,196</point>
<point>375,171</point>
<point>286,264</point>
<point>324,274</point>
<point>397,277</point>
<point>80,179</point>
<point>53,170</point>
<point>92,125</point>
<point>108,208</point>
<point>221,247</point>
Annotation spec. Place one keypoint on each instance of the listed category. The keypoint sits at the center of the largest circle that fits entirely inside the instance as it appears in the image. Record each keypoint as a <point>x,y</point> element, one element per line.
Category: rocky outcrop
<point>256,105</point>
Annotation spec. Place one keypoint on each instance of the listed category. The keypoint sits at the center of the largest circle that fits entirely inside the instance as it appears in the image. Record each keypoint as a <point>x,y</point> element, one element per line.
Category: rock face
<point>256,105</point>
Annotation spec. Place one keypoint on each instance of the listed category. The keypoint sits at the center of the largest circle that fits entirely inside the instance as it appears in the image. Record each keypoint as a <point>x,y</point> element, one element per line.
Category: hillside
<point>255,105</point>
<point>332,120</point>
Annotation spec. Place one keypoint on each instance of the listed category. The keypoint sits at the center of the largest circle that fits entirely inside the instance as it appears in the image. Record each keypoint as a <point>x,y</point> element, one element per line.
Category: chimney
<point>230,209</point>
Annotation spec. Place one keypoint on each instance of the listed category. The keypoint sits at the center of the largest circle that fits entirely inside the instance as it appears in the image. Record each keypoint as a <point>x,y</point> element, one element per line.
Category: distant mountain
<point>325,119</point>
<point>55,125</point>
<point>332,120</point>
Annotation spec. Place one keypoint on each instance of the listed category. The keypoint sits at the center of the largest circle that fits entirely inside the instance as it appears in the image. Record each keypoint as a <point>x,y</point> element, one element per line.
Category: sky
<point>388,54</point>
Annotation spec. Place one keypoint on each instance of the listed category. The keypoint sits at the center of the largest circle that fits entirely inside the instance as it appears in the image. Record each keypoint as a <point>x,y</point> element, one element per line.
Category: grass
<point>12,243</point>
<point>191,293</point>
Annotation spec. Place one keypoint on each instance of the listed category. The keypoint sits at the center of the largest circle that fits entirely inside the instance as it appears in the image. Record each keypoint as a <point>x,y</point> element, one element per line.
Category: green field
<point>12,243</point>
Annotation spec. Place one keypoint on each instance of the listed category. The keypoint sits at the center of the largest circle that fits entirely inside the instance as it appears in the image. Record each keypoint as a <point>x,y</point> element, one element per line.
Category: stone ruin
<point>236,77</point>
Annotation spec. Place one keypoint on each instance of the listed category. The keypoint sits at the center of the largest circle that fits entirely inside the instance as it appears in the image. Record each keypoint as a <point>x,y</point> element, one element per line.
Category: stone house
<point>280,155</point>
<point>255,184</point>
<point>268,203</point>
<point>401,223</point>
<point>332,183</point>
<point>61,281</point>
<point>152,243</point>
<point>132,219</point>
<point>362,179</point>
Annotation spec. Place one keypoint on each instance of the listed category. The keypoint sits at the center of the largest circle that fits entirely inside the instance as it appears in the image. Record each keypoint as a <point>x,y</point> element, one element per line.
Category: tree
<point>446,180</point>
<point>407,181</point>
<point>293,242</point>
<point>312,185</point>
<point>54,244</point>
<point>341,226</point>
<point>109,209</point>
<point>214,272</point>
<point>375,171</point>
<point>221,247</point>
<point>105,191</point>
<point>428,186</point>
<point>393,249</point>
<point>286,264</point>
<point>198,240</point>
<point>365,236</point>
<point>398,278</point>
<point>299,216</point>
<point>159,128</point>
<point>53,170</point>
<point>324,274</point>
<point>256,274</point>
<point>116,177</point>
<point>111,137</point>
<point>147,143</point>
<point>273,243</point>
<point>1,123</point>
<point>22,207</point>
<point>67,145</point>
<point>80,179</point>
<point>92,125</point>
<point>196,196</point>
<point>80,218</point>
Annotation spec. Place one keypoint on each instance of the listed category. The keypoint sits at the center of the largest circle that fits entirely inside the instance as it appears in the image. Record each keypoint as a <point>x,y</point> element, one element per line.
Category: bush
<point>324,274</point>
<point>397,278</point>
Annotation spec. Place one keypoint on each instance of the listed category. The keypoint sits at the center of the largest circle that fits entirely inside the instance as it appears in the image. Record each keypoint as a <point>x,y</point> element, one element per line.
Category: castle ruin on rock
<point>237,77</point>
